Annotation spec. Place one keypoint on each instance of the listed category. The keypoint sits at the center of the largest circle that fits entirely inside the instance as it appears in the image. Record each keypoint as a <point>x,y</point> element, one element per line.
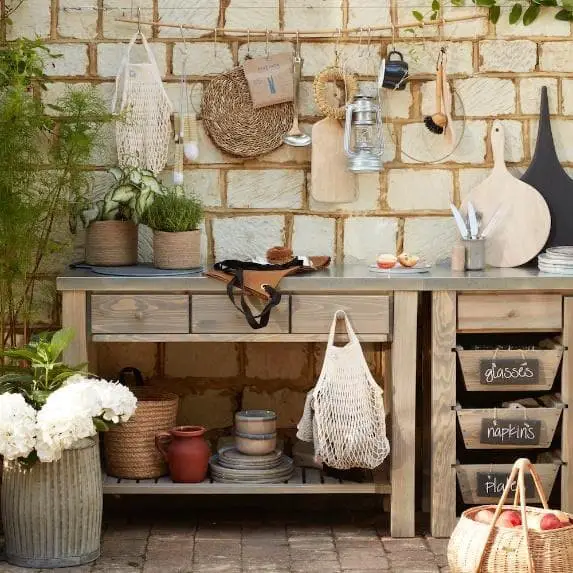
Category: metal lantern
<point>363,135</point>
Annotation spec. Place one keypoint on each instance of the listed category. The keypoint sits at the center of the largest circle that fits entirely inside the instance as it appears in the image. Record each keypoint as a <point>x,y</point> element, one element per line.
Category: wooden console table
<point>195,309</point>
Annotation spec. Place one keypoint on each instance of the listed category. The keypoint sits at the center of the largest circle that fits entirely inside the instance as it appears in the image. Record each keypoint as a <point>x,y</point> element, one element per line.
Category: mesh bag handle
<point>517,476</point>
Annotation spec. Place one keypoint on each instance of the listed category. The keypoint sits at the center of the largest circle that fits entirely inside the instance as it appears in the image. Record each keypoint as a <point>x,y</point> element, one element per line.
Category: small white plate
<point>400,270</point>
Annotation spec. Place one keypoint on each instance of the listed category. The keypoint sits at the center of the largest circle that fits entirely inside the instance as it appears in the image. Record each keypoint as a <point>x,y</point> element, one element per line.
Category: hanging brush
<point>438,121</point>
<point>190,136</point>
<point>178,178</point>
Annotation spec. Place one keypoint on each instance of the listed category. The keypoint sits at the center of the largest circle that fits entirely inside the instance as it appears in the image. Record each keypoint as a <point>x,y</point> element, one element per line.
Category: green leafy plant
<point>44,183</point>
<point>36,370</point>
<point>174,212</point>
<point>525,11</point>
<point>127,200</point>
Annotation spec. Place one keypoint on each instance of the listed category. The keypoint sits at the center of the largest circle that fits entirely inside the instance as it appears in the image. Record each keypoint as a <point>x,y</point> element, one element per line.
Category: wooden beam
<point>567,398</point>
<point>74,315</point>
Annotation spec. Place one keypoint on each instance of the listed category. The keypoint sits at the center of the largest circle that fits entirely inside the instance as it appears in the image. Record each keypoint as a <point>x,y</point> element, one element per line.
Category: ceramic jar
<point>186,452</point>
<point>256,422</point>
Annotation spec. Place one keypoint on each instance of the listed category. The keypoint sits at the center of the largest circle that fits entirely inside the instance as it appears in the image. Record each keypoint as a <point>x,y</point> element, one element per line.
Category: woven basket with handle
<point>484,548</point>
<point>130,450</point>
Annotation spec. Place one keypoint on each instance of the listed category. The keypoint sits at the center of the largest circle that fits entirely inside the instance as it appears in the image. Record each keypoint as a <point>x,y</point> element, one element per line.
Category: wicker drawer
<point>139,313</point>
<point>499,312</point>
<point>214,314</point>
<point>313,314</point>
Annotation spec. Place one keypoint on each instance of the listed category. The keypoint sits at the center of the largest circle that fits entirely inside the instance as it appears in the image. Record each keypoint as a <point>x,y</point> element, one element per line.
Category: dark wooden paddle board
<point>548,176</point>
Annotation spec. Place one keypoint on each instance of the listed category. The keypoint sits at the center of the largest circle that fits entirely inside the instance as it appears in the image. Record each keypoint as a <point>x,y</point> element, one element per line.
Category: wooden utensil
<point>449,134</point>
<point>522,233</point>
<point>437,121</point>
<point>331,182</point>
<point>550,179</point>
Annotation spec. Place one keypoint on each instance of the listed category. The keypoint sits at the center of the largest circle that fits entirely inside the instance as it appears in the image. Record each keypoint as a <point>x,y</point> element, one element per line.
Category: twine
<point>232,123</point>
<point>333,74</point>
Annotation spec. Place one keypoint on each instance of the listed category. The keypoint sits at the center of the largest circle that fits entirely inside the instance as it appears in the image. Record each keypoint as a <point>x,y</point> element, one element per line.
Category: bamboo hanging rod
<point>361,32</point>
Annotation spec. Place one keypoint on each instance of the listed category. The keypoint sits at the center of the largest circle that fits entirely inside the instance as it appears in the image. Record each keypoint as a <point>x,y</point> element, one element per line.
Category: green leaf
<point>547,2</point>
<point>60,341</point>
<point>457,3</point>
<point>435,5</point>
<point>485,3</point>
<point>531,14</point>
<point>494,13</point>
<point>116,172</point>
<point>564,15</point>
<point>151,183</point>
<point>40,396</point>
<point>434,16</point>
<point>100,425</point>
<point>20,354</point>
<point>122,194</point>
<point>515,14</point>
<point>418,15</point>
<point>567,5</point>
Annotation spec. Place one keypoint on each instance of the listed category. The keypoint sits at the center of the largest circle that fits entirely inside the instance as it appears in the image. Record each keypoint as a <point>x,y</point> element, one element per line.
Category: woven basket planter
<point>111,244</point>
<point>476,547</point>
<point>52,512</point>
<point>130,450</point>
<point>176,250</point>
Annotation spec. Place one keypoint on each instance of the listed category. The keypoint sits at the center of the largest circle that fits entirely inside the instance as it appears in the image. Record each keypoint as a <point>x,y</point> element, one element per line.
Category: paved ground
<point>236,542</point>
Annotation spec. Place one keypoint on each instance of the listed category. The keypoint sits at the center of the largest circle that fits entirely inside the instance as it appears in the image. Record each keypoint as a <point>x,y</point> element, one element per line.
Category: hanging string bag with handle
<point>143,131</point>
<point>477,547</point>
<point>348,424</point>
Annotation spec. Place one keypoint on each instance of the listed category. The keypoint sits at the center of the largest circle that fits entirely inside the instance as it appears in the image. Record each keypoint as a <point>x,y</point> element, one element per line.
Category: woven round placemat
<point>232,123</point>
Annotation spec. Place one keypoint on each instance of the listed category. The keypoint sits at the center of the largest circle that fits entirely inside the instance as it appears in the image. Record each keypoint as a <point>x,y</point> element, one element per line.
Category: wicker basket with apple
<point>513,538</point>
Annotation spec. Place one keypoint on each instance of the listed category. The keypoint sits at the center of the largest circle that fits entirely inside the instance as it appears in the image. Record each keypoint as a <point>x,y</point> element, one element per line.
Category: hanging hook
<point>360,48</point>
<point>297,49</point>
<point>393,36</point>
<point>267,44</point>
<point>215,42</point>
<point>248,56</point>
<point>139,21</point>
<point>337,46</point>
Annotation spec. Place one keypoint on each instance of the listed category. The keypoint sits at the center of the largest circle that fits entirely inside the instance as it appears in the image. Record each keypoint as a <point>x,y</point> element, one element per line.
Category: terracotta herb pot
<point>186,452</point>
<point>176,250</point>
<point>111,243</point>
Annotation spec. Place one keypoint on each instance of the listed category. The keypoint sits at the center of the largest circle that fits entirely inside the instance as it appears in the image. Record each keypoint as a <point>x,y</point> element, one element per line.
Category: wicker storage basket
<point>130,450</point>
<point>476,547</point>
<point>111,243</point>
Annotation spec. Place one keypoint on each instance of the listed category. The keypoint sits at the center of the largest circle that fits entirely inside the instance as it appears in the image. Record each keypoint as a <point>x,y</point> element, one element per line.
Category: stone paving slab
<point>300,545</point>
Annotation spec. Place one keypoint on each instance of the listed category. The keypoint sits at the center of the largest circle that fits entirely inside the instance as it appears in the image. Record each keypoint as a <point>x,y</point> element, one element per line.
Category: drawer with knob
<point>139,313</point>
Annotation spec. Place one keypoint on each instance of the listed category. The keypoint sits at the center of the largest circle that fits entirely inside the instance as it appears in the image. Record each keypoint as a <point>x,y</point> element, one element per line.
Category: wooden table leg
<point>403,444</point>
<point>567,397</point>
<point>443,399</point>
<point>74,315</point>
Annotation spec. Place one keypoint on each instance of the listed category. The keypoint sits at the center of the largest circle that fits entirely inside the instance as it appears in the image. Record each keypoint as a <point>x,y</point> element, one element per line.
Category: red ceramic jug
<point>186,452</point>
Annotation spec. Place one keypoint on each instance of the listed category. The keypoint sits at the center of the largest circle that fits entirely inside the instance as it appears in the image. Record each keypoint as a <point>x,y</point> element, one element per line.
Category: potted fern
<point>111,238</point>
<point>175,218</point>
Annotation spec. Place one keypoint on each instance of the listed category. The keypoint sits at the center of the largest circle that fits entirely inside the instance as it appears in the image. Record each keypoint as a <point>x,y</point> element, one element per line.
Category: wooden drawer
<point>313,314</point>
<point>139,313</point>
<point>498,312</point>
<point>214,314</point>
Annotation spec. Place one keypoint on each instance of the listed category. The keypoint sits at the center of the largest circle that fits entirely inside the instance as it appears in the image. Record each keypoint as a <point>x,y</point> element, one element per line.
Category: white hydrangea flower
<point>17,426</point>
<point>117,401</point>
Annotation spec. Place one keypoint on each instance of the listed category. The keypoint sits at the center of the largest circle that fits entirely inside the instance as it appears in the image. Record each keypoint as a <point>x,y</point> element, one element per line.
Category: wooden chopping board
<point>549,178</point>
<point>331,182</point>
<point>522,232</point>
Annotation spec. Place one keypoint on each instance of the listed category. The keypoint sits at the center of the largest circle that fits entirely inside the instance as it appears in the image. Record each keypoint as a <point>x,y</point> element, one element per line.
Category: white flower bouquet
<point>47,406</point>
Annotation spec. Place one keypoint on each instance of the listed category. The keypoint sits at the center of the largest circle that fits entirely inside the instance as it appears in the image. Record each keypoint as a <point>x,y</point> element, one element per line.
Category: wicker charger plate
<point>232,123</point>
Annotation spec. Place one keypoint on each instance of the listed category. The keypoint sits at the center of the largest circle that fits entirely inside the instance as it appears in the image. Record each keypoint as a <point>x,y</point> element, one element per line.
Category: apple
<point>407,260</point>
<point>550,521</point>
<point>386,261</point>
<point>509,518</point>
<point>484,516</point>
<point>561,516</point>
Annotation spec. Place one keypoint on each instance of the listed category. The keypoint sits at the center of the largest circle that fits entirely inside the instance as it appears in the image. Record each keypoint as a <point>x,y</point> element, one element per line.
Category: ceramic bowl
<point>255,444</point>
<point>256,422</point>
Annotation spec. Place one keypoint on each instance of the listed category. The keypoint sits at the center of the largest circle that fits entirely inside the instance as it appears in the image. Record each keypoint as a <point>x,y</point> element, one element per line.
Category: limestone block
<point>556,57</point>
<point>423,190</point>
<point>270,361</point>
<point>507,55</point>
<point>109,57</point>
<point>201,13</point>
<point>313,235</point>
<point>80,24</point>
<point>73,60</point>
<point>120,9</point>
<point>530,94</point>
<point>204,59</point>
<point>30,20</point>
<point>366,237</point>
<point>432,238</point>
<point>113,356</point>
<point>368,198</point>
<point>483,96</point>
<point>205,360</point>
<point>212,409</point>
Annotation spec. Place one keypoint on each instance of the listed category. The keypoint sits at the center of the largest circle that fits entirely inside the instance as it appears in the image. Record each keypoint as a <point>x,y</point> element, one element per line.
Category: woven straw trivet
<point>232,123</point>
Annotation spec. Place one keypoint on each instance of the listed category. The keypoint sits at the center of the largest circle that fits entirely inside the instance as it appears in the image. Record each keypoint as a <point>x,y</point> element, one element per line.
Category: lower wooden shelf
<point>303,481</point>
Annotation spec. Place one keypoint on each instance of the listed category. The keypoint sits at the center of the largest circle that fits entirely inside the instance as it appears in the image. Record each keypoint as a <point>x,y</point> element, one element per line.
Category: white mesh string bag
<point>349,418</point>
<point>143,133</point>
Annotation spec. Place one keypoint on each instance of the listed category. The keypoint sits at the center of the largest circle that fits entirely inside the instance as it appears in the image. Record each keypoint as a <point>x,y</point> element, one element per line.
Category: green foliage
<point>43,181</point>
<point>36,370</point>
<point>127,200</point>
<point>174,212</point>
<point>529,9</point>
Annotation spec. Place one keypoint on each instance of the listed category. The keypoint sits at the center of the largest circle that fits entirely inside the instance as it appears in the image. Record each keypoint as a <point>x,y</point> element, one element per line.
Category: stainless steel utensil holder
<point>475,254</point>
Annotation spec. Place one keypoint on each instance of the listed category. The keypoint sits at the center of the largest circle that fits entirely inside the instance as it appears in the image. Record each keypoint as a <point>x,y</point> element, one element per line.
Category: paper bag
<point>270,79</point>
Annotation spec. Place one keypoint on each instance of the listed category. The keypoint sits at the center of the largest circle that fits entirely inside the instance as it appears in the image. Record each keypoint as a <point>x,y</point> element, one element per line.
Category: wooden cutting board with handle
<point>546,174</point>
<point>522,232</point>
<point>331,182</point>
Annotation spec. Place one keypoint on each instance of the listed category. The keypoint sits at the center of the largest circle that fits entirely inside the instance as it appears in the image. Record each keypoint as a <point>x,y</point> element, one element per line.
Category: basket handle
<point>162,441</point>
<point>517,474</point>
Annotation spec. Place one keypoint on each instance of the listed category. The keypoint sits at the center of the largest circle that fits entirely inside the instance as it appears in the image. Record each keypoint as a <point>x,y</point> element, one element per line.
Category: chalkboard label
<point>492,484</point>
<point>515,432</point>
<point>508,371</point>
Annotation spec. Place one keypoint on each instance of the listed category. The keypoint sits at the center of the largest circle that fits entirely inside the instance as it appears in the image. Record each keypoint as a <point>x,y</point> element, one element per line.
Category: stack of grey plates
<point>231,466</point>
<point>556,260</point>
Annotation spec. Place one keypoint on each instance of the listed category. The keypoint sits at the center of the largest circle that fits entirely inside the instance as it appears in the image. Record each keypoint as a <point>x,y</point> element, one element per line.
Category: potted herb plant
<point>175,217</point>
<point>111,236</point>
<point>51,486</point>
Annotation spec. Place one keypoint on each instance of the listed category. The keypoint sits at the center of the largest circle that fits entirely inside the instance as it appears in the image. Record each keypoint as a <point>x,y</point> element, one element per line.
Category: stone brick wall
<point>254,204</point>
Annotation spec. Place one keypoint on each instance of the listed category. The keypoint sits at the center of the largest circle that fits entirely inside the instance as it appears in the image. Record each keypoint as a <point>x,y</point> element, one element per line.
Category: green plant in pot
<point>174,217</point>
<point>111,238</point>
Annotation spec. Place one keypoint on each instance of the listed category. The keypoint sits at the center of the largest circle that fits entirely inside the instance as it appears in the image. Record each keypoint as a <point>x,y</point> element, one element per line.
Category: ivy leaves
<point>525,11</point>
